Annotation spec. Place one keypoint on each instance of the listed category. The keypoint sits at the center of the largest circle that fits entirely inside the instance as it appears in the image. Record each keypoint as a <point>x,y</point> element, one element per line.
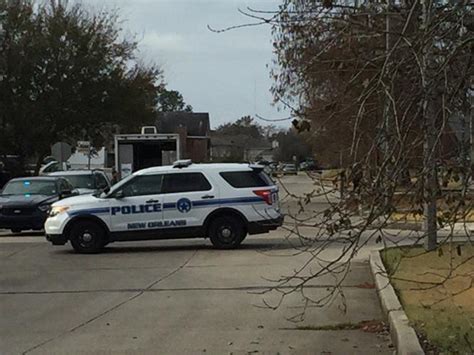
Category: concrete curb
<point>402,334</point>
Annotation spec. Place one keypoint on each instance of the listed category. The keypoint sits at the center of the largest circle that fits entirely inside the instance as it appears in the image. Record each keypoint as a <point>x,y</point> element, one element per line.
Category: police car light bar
<point>256,166</point>
<point>182,163</point>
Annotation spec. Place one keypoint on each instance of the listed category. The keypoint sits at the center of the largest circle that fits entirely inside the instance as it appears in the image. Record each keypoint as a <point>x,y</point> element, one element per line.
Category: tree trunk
<point>430,176</point>
<point>430,180</point>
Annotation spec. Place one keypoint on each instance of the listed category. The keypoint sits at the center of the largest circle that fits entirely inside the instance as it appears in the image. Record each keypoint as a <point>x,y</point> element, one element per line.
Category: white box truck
<point>149,148</point>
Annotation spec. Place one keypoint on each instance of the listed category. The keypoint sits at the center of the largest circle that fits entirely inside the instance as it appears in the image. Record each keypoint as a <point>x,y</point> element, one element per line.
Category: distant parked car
<point>304,166</point>
<point>308,165</point>
<point>50,167</point>
<point>25,202</point>
<point>85,181</point>
<point>289,169</point>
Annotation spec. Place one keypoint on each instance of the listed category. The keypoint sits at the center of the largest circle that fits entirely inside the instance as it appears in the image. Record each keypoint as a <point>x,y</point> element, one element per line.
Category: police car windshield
<point>30,187</point>
<point>117,186</point>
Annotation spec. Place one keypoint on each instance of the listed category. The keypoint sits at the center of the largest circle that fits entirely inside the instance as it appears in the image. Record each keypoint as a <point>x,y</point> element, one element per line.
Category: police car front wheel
<point>87,237</point>
<point>226,232</point>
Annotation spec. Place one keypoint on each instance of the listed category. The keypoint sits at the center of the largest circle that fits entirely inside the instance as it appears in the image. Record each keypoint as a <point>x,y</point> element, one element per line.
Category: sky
<point>225,74</point>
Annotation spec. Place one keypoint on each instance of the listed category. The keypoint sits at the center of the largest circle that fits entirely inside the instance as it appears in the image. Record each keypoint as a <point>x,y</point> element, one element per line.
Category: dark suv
<point>25,202</point>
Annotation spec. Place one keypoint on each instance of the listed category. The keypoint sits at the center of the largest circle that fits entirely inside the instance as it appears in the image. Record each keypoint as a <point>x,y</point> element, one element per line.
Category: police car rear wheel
<point>87,237</point>
<point>226,232</point>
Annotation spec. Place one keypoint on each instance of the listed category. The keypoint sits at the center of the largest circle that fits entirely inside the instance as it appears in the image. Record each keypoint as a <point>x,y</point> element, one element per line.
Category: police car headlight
<point>44,208</point>
<point>58,210</point>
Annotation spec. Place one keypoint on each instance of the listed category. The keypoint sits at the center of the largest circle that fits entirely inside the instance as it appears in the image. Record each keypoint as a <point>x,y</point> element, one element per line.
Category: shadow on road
<point>22,234</point>
<point>116,248</point>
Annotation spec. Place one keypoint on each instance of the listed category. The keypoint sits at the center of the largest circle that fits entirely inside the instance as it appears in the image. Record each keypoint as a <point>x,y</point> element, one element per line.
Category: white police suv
<point>224,202</point>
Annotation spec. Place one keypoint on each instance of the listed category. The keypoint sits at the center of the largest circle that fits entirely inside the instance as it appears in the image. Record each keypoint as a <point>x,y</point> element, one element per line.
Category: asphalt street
<point>181,297</point>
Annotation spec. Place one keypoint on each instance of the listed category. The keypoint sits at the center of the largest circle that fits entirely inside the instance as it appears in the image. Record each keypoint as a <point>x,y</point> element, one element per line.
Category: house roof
<point>196,123</point>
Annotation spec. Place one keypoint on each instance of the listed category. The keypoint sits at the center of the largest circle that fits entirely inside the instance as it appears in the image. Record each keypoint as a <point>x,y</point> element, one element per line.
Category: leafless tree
<point>385,89</point>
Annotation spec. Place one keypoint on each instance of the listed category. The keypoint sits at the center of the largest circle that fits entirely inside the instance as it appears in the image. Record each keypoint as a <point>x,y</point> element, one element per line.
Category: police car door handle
<point>152,201</point>
<point>207,196</point>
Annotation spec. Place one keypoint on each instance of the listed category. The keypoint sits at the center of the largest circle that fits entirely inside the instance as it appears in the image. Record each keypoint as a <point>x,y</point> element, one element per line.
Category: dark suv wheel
<point>87,237</point>
<point>227,232</point>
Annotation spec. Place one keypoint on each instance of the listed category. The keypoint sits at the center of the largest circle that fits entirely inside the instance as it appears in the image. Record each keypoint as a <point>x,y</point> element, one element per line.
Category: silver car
<point>85,181</point>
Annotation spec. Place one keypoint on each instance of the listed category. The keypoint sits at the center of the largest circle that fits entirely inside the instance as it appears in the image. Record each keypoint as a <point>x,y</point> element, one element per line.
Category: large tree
<point>357,69</point>
<point>65,74</point>
<point>291,144</point>
<point>172,100</point>
<point>379,82</point>
<point>244,126</point>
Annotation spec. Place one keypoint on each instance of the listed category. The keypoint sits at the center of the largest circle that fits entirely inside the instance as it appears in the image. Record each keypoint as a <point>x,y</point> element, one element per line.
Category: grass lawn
<point>444,313</point>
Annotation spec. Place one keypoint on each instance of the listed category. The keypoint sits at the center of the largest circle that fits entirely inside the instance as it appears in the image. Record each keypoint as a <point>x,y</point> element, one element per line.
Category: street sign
<point>83,147</point>
<point>61,151</point>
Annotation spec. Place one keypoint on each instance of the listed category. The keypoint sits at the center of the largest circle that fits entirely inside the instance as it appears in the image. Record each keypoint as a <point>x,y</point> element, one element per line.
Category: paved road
<point>171,297</point>
<point>176,297</point>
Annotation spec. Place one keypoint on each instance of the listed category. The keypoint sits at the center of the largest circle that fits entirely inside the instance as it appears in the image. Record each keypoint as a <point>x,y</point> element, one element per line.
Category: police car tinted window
<point>242,179</point>
<point>143,185</point>
<point>185,182</point>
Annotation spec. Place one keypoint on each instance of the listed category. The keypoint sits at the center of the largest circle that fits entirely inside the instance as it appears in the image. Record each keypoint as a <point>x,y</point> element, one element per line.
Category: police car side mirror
<point>119,194</point>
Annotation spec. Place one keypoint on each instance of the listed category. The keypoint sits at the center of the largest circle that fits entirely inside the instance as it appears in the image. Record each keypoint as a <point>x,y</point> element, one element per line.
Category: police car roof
<point>36,178</point>
<point>71,172</point>
<point>198,167</point>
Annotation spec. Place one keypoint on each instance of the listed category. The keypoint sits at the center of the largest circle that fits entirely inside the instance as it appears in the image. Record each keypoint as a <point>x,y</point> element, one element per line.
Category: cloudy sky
<point>224,74</point>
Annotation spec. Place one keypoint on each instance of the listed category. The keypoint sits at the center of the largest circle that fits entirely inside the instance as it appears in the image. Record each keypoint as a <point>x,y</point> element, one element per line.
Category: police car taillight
<point>266,195</point>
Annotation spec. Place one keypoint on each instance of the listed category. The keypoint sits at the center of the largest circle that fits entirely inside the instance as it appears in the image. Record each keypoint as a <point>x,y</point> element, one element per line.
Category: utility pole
<point>430,185</point>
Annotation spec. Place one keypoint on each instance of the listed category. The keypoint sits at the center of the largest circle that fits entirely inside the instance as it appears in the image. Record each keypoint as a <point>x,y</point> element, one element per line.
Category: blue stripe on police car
<point>183,205</point>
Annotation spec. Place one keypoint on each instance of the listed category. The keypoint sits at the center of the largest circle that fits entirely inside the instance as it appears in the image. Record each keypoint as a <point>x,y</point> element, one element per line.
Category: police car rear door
<point>188,198</point>
<point>137,206</point>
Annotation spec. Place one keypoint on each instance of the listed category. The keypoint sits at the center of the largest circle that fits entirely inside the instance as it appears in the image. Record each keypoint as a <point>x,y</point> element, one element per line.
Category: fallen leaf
<point>366,285</point>
<point>372,326</point>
